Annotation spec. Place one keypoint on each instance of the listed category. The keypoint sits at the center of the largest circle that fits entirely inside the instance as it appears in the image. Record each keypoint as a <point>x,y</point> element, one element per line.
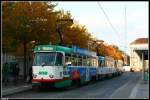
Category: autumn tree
<point>107,50</point>
<point>72,33</point>
<point>24,22</point>
<point>77,35</point>
<point>7,30</point>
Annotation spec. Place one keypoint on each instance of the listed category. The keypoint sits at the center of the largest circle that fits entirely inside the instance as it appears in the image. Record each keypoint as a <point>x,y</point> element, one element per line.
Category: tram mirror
<point>43,64</point>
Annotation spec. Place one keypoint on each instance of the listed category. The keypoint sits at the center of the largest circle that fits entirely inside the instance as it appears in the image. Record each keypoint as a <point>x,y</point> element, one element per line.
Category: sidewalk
<point>136,89</point>
<point>141,90</point>
<point>12,88</point>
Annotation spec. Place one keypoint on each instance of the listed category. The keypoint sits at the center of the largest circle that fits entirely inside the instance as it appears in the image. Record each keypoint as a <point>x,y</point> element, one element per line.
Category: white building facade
<point>139,54</point>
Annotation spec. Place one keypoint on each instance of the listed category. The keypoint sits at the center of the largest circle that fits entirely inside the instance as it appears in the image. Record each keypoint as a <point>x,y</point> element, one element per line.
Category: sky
<point>91,15</point>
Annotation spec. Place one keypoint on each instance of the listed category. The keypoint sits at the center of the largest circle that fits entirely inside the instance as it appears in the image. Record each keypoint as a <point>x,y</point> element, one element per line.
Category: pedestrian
<point>6,72</point>
<point>15,72</point>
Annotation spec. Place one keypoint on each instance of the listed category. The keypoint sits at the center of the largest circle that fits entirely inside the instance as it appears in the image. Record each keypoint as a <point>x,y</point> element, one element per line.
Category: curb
<point>16,90</point>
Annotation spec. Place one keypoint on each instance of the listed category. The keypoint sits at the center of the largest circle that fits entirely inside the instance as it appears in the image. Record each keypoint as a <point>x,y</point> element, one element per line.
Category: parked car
<point>127,68</point>
<point>131,70</point>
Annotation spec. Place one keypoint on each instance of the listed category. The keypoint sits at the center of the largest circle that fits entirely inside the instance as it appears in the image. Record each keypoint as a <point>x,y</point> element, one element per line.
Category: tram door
<point>87,74</point>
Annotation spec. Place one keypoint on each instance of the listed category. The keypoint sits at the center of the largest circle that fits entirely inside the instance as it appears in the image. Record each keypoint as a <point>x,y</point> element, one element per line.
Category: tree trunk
<point>97,51</point>
<point>25,49</point>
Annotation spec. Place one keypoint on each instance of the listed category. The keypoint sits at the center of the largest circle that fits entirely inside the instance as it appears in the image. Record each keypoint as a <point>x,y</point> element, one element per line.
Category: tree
<point>24,22</point>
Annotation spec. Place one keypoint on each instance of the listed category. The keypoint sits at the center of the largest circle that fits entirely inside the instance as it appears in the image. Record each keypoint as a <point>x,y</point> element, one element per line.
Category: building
<point>126,59</point>
<point>139,54</point>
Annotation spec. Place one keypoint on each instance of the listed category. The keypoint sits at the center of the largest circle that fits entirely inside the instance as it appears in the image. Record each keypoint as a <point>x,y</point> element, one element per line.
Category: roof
<point>140,41</point>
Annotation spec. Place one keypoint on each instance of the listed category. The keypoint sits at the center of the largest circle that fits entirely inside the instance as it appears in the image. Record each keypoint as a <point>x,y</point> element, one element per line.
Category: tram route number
<point>42,73</point>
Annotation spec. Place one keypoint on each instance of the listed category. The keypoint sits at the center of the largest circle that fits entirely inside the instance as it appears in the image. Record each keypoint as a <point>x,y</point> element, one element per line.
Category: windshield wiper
<point>43,64</point>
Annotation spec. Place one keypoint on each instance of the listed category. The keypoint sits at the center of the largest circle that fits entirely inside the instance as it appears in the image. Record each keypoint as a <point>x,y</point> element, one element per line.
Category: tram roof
<point>74,49</point>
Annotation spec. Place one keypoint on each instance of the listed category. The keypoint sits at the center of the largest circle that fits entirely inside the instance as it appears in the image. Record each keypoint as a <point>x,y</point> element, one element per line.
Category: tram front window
<point>48,59</point>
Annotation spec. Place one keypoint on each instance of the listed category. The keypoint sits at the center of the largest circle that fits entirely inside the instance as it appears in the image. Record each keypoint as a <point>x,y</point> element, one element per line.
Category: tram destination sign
<point>45,48</point>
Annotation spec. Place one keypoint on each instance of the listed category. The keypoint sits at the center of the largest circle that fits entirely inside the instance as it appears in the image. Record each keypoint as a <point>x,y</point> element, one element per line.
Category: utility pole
<point>125,19</point>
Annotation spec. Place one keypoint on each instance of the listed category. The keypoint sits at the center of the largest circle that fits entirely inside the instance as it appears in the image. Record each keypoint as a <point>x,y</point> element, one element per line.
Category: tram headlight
<point>51,76</point>
<point>34,76</point>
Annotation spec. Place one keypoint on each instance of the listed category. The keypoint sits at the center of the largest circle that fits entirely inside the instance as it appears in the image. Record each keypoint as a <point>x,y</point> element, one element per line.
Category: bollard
<point>145,75</point>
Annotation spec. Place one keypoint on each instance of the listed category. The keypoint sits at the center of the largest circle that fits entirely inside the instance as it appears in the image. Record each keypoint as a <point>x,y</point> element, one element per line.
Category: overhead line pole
<point>125,19</point>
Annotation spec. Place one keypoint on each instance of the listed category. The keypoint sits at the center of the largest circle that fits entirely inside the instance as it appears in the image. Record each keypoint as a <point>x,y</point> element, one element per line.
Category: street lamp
<point>59,26</point>
<point>25,51</point>
<point>99,41</point>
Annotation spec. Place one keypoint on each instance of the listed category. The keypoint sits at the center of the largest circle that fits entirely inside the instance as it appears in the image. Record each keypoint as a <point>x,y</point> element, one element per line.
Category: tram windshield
<point>48,59</point>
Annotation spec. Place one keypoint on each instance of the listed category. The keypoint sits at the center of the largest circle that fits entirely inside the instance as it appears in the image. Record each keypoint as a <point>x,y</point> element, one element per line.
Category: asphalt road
<point>107,88</point>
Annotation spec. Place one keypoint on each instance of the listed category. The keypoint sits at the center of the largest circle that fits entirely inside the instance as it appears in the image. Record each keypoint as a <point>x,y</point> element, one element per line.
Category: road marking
<point>134,91</point>
<point>121,88</point>
<point>27,86</point>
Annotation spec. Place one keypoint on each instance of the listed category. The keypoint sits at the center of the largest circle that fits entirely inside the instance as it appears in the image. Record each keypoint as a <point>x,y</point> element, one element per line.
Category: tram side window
<point>59,59</point>
<point>84,63</point>
<point>79,61</point>
<point>101,63</point>
<point>88,61</point>
<point>94,62</point>
<point>34,61</point>
<point>68,60</point>
<point>112,63</point>
<point>73,61</point>
<point>106,63</point>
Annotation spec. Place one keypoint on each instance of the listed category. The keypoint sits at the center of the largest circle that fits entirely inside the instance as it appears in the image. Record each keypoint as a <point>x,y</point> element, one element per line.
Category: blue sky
<point>90,15</point>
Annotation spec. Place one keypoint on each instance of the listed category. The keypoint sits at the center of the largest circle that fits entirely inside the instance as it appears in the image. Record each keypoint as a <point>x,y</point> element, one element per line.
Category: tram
<point>61,66</point>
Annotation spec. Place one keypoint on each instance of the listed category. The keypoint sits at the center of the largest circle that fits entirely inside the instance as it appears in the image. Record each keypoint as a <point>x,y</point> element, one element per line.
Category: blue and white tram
<point>108,67</point>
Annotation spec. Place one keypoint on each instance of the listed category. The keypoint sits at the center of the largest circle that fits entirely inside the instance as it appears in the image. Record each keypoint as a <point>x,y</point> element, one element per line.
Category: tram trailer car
<point>59,66</point>
<point>119,66</point>
<point>108,67</point>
